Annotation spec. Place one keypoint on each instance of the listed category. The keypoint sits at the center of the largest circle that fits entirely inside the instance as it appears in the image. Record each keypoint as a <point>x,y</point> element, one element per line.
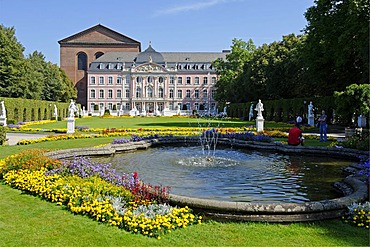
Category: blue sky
<point>171,25</point>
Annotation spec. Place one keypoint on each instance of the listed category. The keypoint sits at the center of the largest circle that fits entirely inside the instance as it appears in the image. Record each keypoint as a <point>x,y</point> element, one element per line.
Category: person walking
<point>323,126</point>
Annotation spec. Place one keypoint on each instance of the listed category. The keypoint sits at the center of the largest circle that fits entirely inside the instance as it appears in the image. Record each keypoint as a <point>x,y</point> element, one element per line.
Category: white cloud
<point>190,7</point>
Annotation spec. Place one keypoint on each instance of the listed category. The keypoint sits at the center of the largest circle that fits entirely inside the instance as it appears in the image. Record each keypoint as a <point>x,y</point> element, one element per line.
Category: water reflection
<point>235,175</point>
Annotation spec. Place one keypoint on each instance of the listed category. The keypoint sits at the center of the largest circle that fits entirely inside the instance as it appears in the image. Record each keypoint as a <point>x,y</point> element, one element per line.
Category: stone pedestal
<point>311,121</point>
<point>167,112</point>
<point>70,125</point>
<point>133,113</point>
<point>2,121</point>
<point>259,124</point>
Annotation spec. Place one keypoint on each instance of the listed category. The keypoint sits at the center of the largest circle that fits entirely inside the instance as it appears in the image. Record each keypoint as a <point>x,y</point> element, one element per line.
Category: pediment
<point>149,67</point>
<point>98,34</point>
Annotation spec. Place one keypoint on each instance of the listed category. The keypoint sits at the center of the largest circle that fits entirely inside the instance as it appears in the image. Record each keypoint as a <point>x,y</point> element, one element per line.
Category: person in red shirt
<point>295,137</point>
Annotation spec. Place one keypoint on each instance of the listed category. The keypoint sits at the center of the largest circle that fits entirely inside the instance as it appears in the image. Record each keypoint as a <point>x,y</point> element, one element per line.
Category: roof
<point>150,55</point>
<point>169,57</point>
<point>108,36</point>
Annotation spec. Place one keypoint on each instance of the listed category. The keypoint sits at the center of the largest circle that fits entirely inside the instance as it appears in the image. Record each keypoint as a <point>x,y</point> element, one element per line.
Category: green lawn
<point>26,220</point>
<point>155,122</point>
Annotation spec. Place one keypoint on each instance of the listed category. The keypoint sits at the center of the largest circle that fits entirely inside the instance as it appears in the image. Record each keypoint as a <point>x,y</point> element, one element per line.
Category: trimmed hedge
<point>2,135</point>
<point>26,110</point>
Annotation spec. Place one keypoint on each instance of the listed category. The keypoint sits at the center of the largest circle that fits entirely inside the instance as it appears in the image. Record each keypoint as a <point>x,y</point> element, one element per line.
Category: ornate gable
<point>149,67</point>
<point>98,34</point>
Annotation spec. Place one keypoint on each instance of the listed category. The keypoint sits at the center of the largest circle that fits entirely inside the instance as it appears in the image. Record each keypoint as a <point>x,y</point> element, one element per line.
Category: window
<point>205,80</point>
<point>179,94</point>
<point>188,80</point>
<point>196,94</point>
<point>187,93</point>
<point>81,61</point>
<point>119,93</point>
<point>101,66</point>
<point>101,80</point>
<point>205,94</point>
<point>101,94</point>
<point>139,79</point>
<point>92,93</point>
<point>110,66</point>
<point>110,94</point>
<point>196,106</point>
<point>172,79</point>
<point>138,92</point>
<point>128,79</point>
<point>160,92</point>
<point>127,93</point>
<point>213,106</point>
<point>98,54</point>
<point>92,106</point>
<point>171,106</point>
<point>171,93</point>
<point>127,106</point>
<point>150,79</point>
<point>110,80</point>
<point>119,66</point>
<point>213,93</point>
<point>150,92</point>
<point>101,106</point>
<point>179,80</point>
<point>119,80</point>
<point>161,80</point>
<point>92,80</point>
<point>196,82</point>
<point>110,106</point>
<point>213,80</point>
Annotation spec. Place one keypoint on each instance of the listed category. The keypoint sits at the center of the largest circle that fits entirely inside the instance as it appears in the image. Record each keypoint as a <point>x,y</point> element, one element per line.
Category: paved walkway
<point>14,138</point>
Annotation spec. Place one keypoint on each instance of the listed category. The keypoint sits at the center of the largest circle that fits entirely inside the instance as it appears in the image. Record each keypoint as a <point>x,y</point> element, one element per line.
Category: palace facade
<point>110,72</point>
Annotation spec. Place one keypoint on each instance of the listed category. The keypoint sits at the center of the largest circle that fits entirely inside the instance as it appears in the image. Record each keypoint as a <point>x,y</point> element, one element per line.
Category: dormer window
<point>110,66</point>
<point>101,66</point>
<point>119,66</point>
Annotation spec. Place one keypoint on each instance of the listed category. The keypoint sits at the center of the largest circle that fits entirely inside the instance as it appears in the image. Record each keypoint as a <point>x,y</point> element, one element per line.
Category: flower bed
<point>96,190</point>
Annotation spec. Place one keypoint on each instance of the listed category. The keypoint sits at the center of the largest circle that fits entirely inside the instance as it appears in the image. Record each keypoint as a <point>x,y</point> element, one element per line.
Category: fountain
<point>298,207</point>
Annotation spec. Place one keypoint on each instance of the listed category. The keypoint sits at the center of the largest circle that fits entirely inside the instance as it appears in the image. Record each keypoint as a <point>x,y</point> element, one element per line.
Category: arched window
<point>81,61</point>
<point>150,92</point>
<point>160,92</point>
<point>138,92</point>
<point>98,54</point>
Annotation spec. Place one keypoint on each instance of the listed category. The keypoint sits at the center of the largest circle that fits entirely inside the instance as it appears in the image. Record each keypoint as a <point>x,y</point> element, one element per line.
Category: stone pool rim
<point>248,211</point>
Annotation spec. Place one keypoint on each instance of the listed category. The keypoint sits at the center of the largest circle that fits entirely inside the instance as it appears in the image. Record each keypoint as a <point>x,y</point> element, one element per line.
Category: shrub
<point>359,141</point>
<point>29,159</point>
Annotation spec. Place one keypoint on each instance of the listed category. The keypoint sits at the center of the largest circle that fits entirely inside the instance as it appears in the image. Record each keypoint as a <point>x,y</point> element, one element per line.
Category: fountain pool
<point>235,175</point>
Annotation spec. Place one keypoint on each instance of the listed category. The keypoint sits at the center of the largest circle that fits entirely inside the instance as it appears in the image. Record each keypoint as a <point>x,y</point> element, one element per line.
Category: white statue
<point>2,110</point>
<point>310,109</point>
<point>251,112</point>
<point>55,112</point>
<point>259,109</point>
<point>72,109</point>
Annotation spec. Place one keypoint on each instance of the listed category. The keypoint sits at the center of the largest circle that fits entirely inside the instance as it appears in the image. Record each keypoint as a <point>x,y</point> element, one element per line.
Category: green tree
<point>228,88</point>
<point>275,71</point>
<point>11,64</point>
<point>34,70</point>
<point>337,47</point>
<point>352,102</point>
